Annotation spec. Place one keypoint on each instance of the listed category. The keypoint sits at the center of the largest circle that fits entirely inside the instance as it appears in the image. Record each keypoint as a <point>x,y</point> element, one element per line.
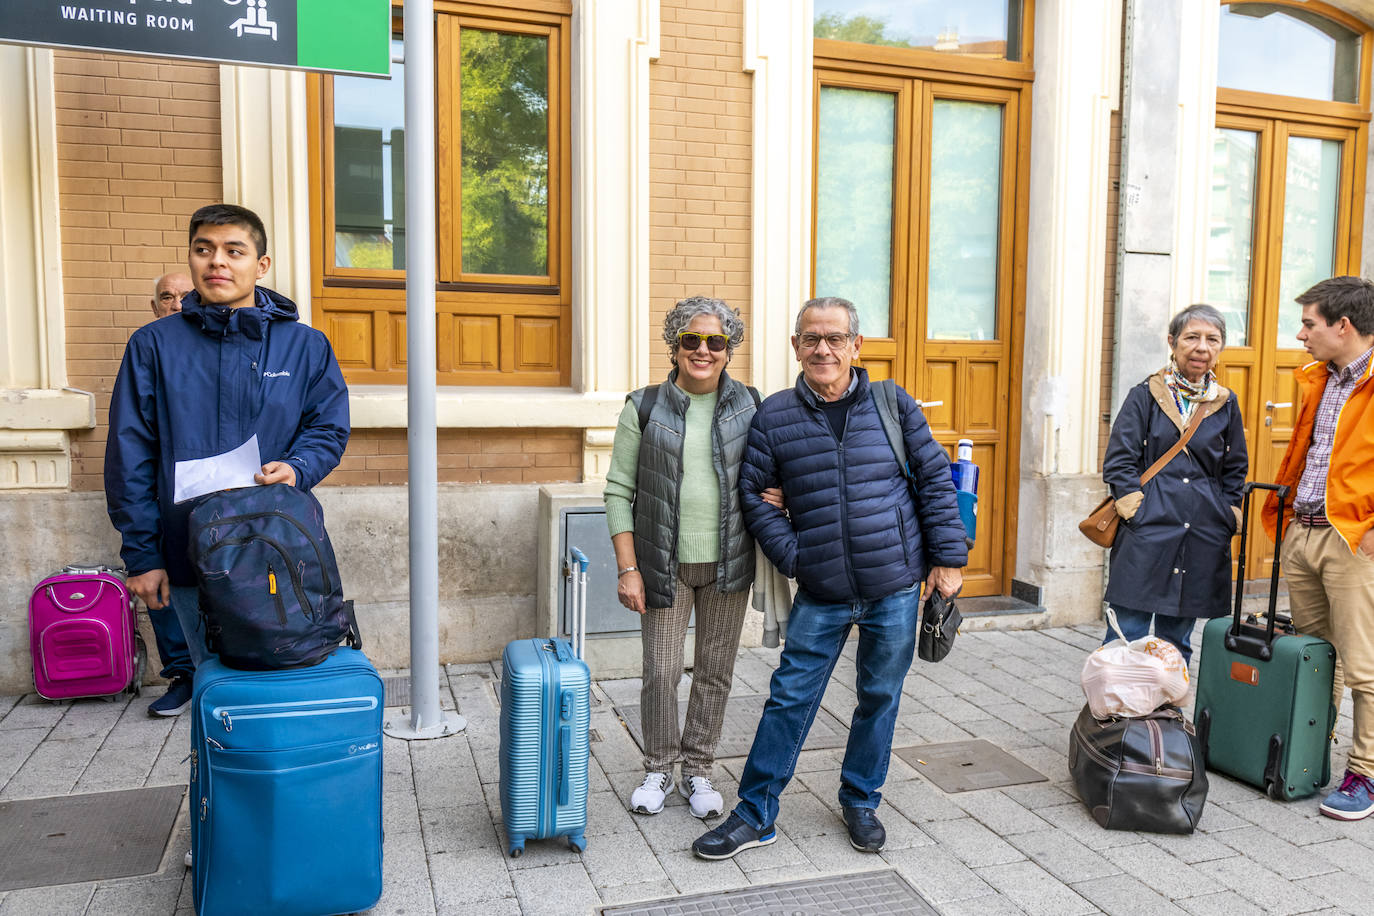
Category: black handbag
<point>940,621</point>
<point>1139,773</point>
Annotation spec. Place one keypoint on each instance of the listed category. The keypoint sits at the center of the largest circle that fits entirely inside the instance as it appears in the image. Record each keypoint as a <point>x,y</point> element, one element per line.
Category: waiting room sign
<point>338,36</point>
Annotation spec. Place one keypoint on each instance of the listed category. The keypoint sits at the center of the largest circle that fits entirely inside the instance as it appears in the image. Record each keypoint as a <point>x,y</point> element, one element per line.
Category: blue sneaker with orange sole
<point>1353,801</point>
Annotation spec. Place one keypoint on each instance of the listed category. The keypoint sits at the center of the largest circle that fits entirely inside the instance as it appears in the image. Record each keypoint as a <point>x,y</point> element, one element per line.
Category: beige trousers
<point>1331,595</point>
<point>720,616</point>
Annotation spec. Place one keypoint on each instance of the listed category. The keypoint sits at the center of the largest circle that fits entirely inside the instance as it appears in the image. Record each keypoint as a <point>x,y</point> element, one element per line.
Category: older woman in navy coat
<point>1171,563</point>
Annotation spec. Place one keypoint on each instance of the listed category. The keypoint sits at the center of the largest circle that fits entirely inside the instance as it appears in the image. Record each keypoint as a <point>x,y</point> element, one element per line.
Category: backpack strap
<point>646,406</point>
<point>754,393</point>
<point>884,395</point>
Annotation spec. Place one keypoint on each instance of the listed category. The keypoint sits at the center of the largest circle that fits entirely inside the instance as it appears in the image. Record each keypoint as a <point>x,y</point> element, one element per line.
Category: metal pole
<point>426,720</point>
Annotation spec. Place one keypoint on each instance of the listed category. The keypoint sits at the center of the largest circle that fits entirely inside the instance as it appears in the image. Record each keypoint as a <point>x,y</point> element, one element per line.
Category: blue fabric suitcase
<point>545,717</point>
<point>286,788</point>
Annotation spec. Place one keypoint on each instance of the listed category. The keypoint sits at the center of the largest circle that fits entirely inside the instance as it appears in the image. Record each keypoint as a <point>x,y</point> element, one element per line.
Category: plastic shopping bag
<point>1133,678</point>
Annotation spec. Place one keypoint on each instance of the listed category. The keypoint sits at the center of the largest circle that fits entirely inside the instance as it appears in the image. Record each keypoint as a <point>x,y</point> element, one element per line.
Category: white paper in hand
<point>198,476</point>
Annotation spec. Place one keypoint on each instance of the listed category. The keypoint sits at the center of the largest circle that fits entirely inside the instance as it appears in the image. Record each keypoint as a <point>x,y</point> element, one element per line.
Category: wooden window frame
<point>524,322</point>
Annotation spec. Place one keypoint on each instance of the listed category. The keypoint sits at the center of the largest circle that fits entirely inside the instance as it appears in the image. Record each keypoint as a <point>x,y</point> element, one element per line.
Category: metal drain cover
<point>742,721</point>
<point>962,766</point>
<point>397,690</point>
<point>882,893</point>
<point>73,838</point>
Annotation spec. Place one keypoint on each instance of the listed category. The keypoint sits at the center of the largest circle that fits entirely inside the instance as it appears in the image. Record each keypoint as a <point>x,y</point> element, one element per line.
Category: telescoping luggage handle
<point>577,626</point>
<point>1237,640</point>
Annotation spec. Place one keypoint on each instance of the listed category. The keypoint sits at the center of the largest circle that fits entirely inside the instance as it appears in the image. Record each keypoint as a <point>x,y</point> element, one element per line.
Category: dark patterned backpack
<point>270,593</point>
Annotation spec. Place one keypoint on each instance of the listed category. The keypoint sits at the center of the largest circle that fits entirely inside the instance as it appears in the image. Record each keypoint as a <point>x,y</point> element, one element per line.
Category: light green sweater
<point>698,537</point>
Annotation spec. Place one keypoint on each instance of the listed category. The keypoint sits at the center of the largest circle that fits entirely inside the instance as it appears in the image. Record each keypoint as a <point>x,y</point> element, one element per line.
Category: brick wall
<point>700,152</point>
<point>138,148</point>
<point>378,456</point>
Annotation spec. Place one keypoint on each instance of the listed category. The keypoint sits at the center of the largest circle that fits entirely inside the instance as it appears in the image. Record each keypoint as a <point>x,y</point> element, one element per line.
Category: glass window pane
<point>369,169</point>
<point>1234,157</point>
<point>854,175</point>
<point>978,28</point>
<point>965,213</point>
<point>505,152</point>
<point>1311,185</point>
<point>1287,51</point>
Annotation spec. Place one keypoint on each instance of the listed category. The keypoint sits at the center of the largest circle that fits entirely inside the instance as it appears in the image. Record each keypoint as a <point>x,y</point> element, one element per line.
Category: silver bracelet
<point>627,569</point>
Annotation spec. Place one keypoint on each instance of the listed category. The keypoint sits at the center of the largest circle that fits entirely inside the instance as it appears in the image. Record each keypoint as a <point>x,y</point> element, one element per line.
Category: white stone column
<point>265,152</point>
<point>36,407</point>
<point>1077,67</point>
<point>778,51</point>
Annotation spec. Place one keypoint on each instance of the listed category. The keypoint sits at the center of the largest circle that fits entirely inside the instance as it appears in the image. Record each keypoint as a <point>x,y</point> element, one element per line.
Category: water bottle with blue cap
<point>965,474</point>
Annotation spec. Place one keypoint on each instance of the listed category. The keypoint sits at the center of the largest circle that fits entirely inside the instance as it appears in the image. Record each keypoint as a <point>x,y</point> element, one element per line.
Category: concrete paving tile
<point>1049,761</point>
<point>1034,795</point>
<point>796,872</point>
<point>8,703</point>
<point>1063,856</point>
<point>1343,854</point>
<point>807,815</point>
<point>138,729</point>
<point>538,853</point>
<point>826,760</point>
<point>616,859</point>
<point>991,905</point>
<point>938,875</point>
<point>1005,736</point>
<point>670,831</point>
<point>1128,896</point>
<point>457,828</point>
<point>1293,862</point>
<point>973,843</point>
<point>920,802</point>
<point>37,782</point>
<point>468,875</point>
<point>606,814</point>
<point>118,768</point>
<point>406,879</point>
<point>1075,821</point>
<point>147,898</point>
<point>998,812</point>
<point>18,746</point>
<point>91,718</point>
<point>1258,884</point>
<point>400,814</point>
<point>1035,890</point>
<point>1353,893</point>
<point>616,751</point>
<point>1217,820</point>
<point>445,774</point>
<point>691,875</point>
<point>34,712</point>
<point>1160,869</point>
<point>781,853</point>
<point>505,906</point>
<point>596,776</point>
<point>1222,789</point>
<point>40,901</point>
<point>487,758</point>
<point>1297,822</point>
<point>831,853</point>
<point>958,710</point>
<point>1224,903</point>
<point>623,691</point>
<point>1022,717</point>
<point>397,773</point>
<point>1191,848</point>
<point>919,688</point>
<point>637,893</point>
<point>932,728</point>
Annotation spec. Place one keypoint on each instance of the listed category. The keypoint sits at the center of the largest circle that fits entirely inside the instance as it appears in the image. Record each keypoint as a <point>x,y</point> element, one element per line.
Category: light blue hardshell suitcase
<point>545,716</point>
<point>286,788</point>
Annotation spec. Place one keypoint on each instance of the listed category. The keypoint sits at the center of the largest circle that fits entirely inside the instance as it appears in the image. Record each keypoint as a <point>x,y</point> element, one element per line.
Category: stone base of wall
<point>1053,554</point>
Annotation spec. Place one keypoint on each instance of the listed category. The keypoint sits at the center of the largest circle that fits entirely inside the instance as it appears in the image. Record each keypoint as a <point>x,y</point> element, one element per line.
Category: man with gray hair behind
<point>860,547</point>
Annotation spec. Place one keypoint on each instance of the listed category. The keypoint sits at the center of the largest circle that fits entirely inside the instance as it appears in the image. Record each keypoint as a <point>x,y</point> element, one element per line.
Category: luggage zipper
<point>549,786</point>
<point>1156,745</point>
<point>296,584</point>
<point>1157,770</point>
<point>228,715</point>
<point>277,513</point>
<point>276,595</point>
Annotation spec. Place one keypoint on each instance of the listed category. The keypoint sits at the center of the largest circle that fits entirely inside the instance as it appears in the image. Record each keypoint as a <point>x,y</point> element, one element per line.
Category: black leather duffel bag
<point>1140,773</point>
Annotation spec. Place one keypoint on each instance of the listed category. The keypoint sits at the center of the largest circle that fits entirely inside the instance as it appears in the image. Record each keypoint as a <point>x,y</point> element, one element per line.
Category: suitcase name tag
<point>1246,674</point>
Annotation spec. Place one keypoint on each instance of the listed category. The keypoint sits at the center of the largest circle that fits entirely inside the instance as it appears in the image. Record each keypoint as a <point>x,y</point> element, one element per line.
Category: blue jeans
<point>1136,624</point>
<point>171,642</point>
<point>186,600</point>
<point>816,633</point>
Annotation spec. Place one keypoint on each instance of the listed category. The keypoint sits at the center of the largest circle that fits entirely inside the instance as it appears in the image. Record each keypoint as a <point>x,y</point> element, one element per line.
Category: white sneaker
<point>648,798</point>
<point>703,799</point>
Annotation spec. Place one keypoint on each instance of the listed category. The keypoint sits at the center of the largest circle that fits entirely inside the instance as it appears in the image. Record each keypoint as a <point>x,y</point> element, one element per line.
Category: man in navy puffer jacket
<point>234,363</point>
<point>859,549</point>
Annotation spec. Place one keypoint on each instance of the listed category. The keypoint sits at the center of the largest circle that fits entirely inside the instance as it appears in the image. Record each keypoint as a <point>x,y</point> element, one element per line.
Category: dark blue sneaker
<point>174,701</point>
<point>731,837</point>
<point>1353,801</point>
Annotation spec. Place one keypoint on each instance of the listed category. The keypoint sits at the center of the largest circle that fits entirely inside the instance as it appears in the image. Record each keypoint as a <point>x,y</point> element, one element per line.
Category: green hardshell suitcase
<point>1263,710</point>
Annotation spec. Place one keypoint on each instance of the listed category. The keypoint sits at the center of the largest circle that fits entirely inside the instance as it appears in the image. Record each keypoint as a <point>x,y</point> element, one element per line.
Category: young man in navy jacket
<point>234,363</point>
<point>859,548</point>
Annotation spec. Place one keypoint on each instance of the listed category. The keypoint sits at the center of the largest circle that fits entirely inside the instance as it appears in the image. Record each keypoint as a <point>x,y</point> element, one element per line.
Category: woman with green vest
<point>672,504</point>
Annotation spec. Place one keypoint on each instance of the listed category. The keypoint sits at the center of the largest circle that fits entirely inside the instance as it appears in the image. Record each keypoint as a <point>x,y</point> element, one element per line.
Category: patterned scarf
<point>1187,395</point>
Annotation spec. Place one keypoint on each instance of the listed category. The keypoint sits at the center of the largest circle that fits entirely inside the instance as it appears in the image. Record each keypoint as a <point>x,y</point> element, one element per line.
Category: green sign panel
<point>339,36</point>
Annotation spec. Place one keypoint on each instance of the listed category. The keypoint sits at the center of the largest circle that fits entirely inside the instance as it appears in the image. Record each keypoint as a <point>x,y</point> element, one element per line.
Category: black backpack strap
<point>754,393</point>
<point>884,394</point>
<point>646,406</point>
<point>353,637</point>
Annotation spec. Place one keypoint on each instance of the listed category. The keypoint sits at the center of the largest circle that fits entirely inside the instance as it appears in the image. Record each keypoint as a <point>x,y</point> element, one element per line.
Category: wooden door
<point>1282,220</point>
<point>917,184</point>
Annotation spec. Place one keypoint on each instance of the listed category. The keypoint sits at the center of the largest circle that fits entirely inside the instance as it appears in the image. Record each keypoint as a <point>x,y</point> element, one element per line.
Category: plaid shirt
<point>1311,495</point>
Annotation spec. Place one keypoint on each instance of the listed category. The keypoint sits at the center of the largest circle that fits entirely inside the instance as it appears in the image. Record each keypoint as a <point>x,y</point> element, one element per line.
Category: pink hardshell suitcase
<point>83,635</point>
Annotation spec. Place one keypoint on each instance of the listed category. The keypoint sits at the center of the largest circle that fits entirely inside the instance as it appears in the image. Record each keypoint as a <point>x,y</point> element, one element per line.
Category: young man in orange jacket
<point>1328,550</point>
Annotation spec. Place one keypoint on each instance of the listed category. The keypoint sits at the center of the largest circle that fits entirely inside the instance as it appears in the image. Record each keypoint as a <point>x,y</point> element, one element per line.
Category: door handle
<point>1270,405</point>
<point>924,404</point>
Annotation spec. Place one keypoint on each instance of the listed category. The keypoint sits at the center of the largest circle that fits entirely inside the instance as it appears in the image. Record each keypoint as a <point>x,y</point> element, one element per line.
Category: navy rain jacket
<point>854,534</point>
<point>200,383</point>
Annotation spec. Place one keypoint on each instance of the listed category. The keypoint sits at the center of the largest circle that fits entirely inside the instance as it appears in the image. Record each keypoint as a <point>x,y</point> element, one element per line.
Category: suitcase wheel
<point>578,843</point>
<point>1273,789</point>
<point>140,667</point>
<point>517,847</point>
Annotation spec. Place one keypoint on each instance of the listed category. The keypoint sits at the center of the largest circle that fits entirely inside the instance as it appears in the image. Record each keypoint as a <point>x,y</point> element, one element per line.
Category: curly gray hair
<point>681,315</point>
